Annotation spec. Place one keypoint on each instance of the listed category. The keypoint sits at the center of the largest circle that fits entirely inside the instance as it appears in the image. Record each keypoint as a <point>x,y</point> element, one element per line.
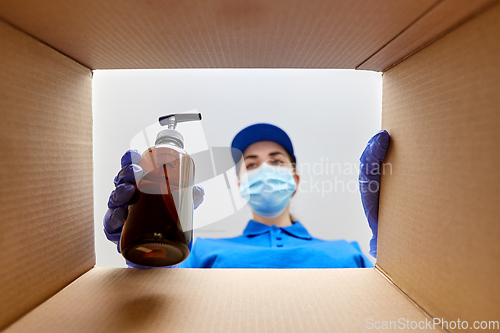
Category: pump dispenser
<point>158,230</point>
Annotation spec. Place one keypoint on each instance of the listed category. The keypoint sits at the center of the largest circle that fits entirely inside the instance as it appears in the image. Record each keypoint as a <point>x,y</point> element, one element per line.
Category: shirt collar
<point>256,228</point>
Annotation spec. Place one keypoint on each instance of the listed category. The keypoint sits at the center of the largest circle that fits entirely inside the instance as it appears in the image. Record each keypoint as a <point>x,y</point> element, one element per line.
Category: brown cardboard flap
<point>439,236</point>
<point>46,211</point>
<point>442,18</point>
<point>215,33</point>
<point>221,300</point>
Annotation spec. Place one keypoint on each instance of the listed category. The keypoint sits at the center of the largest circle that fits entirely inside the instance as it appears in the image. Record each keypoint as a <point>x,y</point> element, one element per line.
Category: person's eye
<point>251,165</point>
<point>276,162</point>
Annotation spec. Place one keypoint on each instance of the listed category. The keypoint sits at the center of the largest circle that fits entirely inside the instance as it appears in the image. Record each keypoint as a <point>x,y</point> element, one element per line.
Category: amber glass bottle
<point>158,230</point>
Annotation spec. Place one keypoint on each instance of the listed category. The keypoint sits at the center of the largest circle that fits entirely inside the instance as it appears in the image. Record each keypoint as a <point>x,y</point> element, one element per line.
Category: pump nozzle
<point>170,135</point>
<point>171,120</point>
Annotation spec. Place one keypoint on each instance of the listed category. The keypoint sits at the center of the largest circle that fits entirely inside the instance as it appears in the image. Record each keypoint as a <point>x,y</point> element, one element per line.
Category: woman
<point>267,179</point>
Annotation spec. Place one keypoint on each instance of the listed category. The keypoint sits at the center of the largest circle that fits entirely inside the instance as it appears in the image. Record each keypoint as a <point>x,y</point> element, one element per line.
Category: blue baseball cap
<point>260,132</point>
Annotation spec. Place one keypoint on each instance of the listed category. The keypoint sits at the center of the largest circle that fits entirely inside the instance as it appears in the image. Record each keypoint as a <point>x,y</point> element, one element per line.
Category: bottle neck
<point>170,141</point>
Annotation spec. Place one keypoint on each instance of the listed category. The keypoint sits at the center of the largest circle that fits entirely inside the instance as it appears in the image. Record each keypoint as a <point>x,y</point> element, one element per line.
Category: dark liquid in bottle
<point>153,234</point>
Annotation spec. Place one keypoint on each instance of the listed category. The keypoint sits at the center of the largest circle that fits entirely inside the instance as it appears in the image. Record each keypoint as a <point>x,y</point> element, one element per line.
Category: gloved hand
<point>369,181</point>
<point>124,190</point>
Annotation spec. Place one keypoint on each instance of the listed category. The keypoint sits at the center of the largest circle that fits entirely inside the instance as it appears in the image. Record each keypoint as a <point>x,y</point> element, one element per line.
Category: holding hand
<point>125,187</point>
<point>369,181</point>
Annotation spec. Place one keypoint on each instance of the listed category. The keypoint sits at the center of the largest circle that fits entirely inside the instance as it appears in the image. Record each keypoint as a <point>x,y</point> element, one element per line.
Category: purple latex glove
<point>369,181</point>
<point>124,190</point>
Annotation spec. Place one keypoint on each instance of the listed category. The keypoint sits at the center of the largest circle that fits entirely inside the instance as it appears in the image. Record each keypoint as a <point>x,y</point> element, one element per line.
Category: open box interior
<point>438,231</point>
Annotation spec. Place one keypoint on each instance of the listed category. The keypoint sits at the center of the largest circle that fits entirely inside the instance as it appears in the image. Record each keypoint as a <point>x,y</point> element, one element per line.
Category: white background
<point>329,115</point>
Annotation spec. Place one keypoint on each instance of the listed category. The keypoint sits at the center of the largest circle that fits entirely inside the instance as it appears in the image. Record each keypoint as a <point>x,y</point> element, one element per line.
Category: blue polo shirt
<point>263,246</point>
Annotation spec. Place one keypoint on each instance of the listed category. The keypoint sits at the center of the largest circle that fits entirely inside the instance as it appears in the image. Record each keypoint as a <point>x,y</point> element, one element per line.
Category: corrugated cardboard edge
<point>476,8</point>
<point>213,34</point>
<point>438,236</point>
<point>222,300</point>
<point>45,43</point>
<point>362,66</point>
<point>381,271</point>
<point>47,187</point>
<point>50,298</point>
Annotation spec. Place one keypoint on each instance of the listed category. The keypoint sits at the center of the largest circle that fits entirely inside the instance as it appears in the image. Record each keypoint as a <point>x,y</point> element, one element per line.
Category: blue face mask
<point>268,189</point>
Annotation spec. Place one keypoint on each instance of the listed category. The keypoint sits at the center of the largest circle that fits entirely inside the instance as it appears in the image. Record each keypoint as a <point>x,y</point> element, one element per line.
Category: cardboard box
<point>439,234</point>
